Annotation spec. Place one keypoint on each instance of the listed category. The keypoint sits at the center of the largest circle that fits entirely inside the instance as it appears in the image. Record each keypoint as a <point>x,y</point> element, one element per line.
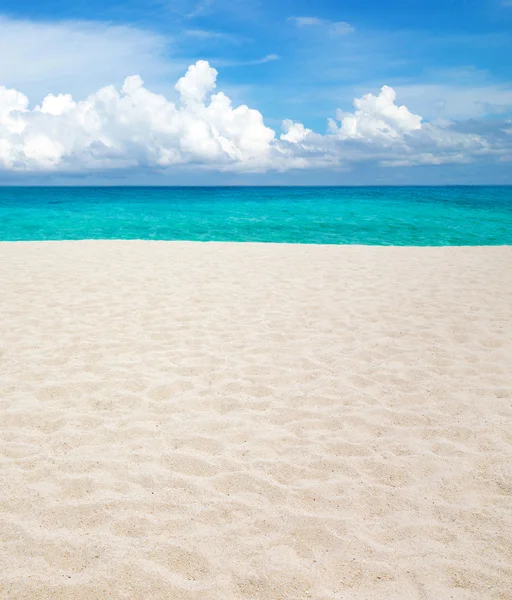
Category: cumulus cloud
<point>132,127</point>
<point>380,130</point>
<point>376,117</point>
<point>294,132</point>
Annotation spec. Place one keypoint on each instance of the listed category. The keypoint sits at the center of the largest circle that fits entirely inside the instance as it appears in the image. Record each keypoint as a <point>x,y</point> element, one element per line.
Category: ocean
<point>400,216</point>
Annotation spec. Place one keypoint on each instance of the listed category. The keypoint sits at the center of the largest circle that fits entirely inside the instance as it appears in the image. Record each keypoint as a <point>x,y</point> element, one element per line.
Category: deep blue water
<point>416,216</point>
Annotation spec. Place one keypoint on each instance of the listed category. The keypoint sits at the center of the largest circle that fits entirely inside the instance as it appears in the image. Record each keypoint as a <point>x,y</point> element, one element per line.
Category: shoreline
<point>246,243</point>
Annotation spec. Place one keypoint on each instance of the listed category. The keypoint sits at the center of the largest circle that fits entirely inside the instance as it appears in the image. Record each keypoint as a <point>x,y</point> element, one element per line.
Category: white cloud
<point>196,83</point>
<point>239,9</point>
<point>376,118</point>
<point>132,127</point>
<point>269,58</point>
<point>246,63</point>
<point>336,27</point>
<point>306,21</point>
<point>209,36</point>
<point>457,100</point>
<point>380,130</point>
<point>341,28</point>
<point>294,132</point>
<point>200,9</point>
<point>79,56</point>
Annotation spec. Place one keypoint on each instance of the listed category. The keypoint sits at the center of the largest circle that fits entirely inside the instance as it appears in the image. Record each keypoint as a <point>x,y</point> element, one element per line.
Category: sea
<point>398,216</point>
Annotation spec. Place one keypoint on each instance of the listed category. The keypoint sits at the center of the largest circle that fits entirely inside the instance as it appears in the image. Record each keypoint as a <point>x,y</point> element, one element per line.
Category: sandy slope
<point>243,421</point>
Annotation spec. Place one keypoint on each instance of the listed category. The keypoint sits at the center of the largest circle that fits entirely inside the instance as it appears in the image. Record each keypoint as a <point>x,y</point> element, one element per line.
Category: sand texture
<point>203,421</point>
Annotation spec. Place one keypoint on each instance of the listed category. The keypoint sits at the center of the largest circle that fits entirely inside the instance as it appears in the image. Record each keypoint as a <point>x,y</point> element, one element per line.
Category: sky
<point>256,92</point>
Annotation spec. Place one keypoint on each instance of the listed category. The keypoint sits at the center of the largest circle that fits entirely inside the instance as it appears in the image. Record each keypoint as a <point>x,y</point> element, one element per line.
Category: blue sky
<point>447,61</point>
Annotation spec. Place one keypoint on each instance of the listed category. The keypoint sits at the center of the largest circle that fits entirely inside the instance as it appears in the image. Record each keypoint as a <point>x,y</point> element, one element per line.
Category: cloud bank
<point>132,127</point>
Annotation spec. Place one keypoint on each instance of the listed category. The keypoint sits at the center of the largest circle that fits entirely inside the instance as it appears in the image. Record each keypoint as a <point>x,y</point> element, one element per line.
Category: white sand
<point>243,421</point>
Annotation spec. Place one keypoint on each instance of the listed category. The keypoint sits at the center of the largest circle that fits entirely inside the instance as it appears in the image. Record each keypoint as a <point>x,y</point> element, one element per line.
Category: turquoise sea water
<point>415,216</point>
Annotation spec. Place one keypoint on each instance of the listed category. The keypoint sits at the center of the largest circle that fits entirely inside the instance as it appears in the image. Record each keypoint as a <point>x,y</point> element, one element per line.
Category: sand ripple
<point>243,421</point>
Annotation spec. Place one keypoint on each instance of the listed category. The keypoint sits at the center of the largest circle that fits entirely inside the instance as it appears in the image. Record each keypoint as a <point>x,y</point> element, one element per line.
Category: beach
<point>217,421</point>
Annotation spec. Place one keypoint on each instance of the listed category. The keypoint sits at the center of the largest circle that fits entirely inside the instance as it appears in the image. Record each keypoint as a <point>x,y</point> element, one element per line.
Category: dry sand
<point>244,421</point>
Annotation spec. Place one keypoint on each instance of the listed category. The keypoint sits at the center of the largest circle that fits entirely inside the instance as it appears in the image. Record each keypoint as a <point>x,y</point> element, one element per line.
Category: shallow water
<point>415,216</point>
